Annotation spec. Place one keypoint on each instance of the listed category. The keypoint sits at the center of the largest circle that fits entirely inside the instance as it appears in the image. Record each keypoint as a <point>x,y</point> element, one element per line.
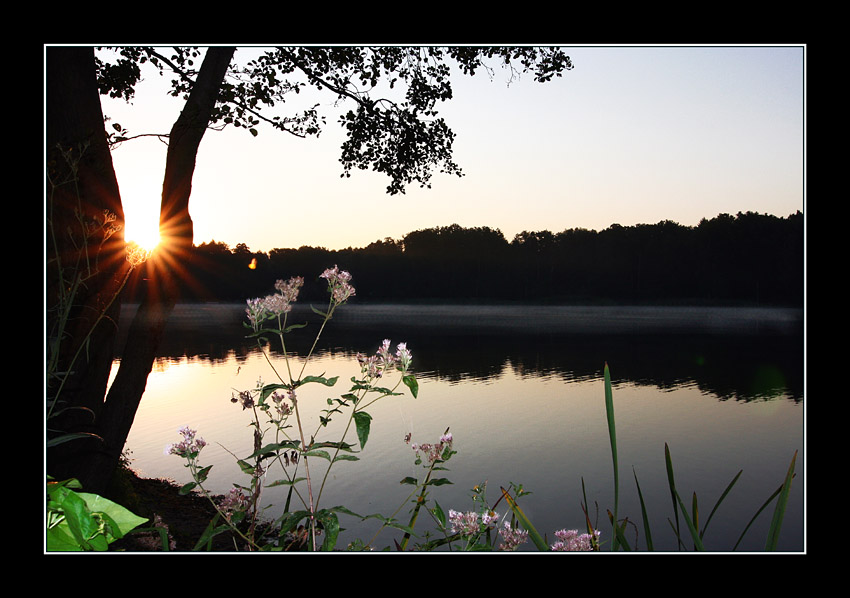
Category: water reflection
<point>732,354</point>
<point>524,400</point>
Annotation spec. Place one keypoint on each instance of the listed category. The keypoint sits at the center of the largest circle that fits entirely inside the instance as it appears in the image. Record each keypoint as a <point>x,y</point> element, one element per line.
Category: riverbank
<point>185,516</point>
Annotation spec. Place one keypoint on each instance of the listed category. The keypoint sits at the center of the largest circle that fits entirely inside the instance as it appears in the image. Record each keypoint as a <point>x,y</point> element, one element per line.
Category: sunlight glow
<point>142,231</point>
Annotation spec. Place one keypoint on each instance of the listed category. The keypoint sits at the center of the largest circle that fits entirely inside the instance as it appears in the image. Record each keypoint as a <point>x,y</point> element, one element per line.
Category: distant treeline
<point>749,258</point>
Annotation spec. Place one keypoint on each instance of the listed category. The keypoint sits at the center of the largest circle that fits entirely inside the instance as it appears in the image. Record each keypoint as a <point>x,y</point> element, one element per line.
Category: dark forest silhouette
<point>745,259</point>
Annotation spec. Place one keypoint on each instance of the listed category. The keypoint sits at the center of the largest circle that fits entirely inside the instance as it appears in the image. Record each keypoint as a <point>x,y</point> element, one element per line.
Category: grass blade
<point>612,433</point>
<point>779,511</point>
<point>525,523</point>
<point>694,534</point>
<point>672,483</point>
<point>649,545</point>
<point>719,500</point>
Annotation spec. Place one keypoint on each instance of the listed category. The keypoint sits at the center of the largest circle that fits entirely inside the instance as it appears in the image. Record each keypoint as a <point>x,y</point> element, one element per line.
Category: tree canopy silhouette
<point>745,259</point>
<point>388,98</point>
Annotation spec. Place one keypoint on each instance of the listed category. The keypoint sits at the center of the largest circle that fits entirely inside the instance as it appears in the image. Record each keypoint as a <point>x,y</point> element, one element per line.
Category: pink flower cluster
<point>571,541</point>
<point>432,452</point>
<point>189,447</point>
<point>383,360</point>
<point>283,409</point>
<point>339,284</point>
<point>234,502</point>
<point>262,309</point>
<point>468,524</point>
<point>512,537</point>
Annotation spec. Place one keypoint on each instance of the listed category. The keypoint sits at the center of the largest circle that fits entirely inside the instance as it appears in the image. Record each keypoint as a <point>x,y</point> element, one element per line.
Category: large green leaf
<point>89,521</point>
<point>363,422</point>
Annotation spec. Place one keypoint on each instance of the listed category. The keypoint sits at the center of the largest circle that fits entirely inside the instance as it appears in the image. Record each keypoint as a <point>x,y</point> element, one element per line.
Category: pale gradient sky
<point>631,135</point>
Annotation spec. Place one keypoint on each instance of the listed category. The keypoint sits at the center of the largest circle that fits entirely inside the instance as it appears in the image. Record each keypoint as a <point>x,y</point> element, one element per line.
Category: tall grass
<point>690,516</point>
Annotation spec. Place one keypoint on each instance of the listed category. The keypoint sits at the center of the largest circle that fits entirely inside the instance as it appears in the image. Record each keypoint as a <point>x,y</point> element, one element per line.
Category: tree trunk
<point>93,462</point>
<point>86,263</point>
<point>164,280</point>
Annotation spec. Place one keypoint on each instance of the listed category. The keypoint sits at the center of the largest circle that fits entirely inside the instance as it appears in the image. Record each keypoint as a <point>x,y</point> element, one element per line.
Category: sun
<point>141,229</point>
<point>147,240</point>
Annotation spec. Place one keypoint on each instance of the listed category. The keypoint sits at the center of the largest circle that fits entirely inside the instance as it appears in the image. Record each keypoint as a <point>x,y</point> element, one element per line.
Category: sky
<point>632,135</point>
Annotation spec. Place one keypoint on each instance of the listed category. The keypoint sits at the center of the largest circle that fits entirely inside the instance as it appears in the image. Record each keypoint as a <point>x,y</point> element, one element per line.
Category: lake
<point>521,389</point>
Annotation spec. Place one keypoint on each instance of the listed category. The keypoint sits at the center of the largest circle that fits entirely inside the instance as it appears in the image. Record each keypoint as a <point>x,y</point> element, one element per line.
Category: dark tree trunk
<point>94,462</point>
<point>163,284</point>
<point>86,264</point>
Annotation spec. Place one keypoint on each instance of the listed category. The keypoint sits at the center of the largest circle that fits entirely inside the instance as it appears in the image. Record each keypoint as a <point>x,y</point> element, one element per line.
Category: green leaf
<point>321,313</point>
<point>390,522</point>
<point>346,458</point>
<point>646,528</point>
<point>289,521</point>
<point>411,383</point>
<point>438,482</point>
<point>719,500</point>
<point>330,524</point>
<point>203,473</point>
<point>410,480</point>
<point>118,515</point>
<point>691,528</point>
<point>362,421</point>
<point>319,379</point>
<point>186,488</point>
<point>292,327</point>
<point>439,514</point>
<point>779,511</point>
<point>285,482</point>
<point>671,482</point>
<point>274,448</point>
<point>343,446</point>
<point>88,522</point>
<point>612,434</point>
<point>322,454</point>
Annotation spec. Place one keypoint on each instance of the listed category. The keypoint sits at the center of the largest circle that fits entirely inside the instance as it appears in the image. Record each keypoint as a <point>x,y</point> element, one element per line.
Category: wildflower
<point>375,365</point>
<point>384,354</point>
<point>464,523</point>
<point>512,537</point>
<point>256,312</point>
<point>234,502</point>
<point>432,452</point>
<point>189,447</point>
<point>489,518</point>
<point>404,357</point>
<point>244,398</point>
<point>370,367</point>
<point>283,409</point>
<point>572,541</point>
<point>275,305</point>
<point>289,289</point>
<point>468,524</point>
<point>339,284</point>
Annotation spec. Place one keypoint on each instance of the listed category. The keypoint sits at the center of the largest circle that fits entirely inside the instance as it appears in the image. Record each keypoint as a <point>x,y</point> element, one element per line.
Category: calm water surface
<point>521,390</point>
